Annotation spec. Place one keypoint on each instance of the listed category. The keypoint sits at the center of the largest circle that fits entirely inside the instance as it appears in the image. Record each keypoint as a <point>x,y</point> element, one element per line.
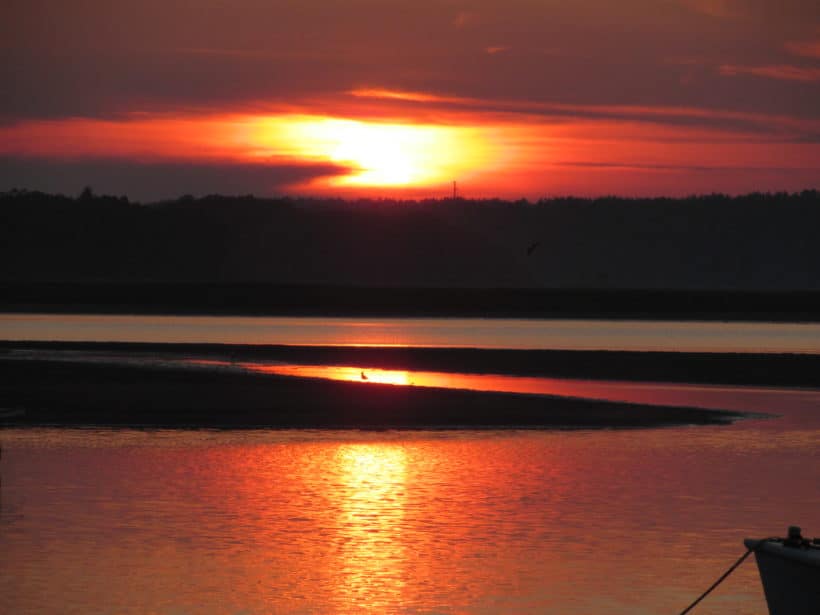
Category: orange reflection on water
<point>338,522</point>
<point>371,507</point>
<point>440,380</point>
<point>716,397</point>
<point>333,372</point>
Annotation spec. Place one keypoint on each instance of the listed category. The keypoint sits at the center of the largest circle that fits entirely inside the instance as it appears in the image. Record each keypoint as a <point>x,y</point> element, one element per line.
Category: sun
<point>381,154</point>
<point>385,155</point>
<point>365,375</point>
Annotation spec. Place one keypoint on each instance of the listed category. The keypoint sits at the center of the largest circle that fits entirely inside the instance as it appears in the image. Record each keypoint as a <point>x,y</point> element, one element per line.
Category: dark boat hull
<point>790,577</point>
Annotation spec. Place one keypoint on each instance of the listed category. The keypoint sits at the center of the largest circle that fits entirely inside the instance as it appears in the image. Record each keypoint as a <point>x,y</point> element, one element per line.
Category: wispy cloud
<point>784,72</point>
<point>151,181</point>
<point>714,8</point>
<point>658,114</point>
<point>217,52</point>
<point>807,49</point>
<point>402,95</point>
<point>673,167</point>
<point>464,19</point>
<point>686,60</point>
<point>249,54</point>
<point>492,50</point>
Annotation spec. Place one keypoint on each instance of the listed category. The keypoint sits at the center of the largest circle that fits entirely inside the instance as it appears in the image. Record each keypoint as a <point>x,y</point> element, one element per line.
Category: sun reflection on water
<point>742,398</point>
<point>333,372</point>
<point>371,521</point>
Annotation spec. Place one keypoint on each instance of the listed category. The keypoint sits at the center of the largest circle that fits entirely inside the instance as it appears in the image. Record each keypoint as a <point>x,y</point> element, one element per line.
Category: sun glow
<point>332,372</point>
<point>385,154</point>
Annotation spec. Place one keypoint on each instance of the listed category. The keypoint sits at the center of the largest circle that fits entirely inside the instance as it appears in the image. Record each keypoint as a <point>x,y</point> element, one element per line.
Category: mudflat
<point>762,369</point>
<point>55,392</point>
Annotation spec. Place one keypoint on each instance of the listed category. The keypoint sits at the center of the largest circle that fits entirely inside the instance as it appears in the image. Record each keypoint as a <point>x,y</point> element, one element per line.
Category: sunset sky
<point>518,98</point>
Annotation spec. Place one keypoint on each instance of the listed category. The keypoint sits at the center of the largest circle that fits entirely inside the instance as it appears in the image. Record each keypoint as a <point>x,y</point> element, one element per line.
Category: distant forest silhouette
<point>756,242</point>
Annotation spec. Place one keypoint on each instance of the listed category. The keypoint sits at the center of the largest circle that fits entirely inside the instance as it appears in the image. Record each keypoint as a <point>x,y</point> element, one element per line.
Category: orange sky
<point>398,99</point>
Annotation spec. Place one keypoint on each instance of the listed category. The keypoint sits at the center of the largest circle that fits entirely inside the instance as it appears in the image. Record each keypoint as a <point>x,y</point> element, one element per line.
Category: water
<point>752,399</point>
<point>429,332</point>
<point>338,522</point>
<point>302,521</point>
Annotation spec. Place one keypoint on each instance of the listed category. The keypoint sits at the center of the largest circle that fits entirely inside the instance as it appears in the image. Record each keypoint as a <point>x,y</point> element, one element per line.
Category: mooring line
<point>720,580</point>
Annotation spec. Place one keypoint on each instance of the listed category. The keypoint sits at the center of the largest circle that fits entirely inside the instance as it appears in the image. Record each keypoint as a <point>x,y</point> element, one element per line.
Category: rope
<point>719,581</point>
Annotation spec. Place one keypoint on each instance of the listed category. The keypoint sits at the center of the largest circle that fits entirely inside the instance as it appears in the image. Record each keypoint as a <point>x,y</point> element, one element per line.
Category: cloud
<point>715,8</point>
<point>784,72</point>
<point>231,53</point>
<point>768,13</point>
<point>808,49</point>
<point>496,49</point>
<point>682,168</point>
<point>466,19</point>
<point>401,95</point>
<point>651,115</point>
<point>156,181</point>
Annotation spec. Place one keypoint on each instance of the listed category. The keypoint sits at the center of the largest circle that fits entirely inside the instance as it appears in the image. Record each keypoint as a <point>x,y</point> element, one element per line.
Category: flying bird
<point>364,376</point>
<point>532,247</point>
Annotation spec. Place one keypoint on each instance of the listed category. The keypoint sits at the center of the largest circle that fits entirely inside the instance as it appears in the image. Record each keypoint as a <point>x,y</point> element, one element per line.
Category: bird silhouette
<point>364,376</point>
<point>532,247</point>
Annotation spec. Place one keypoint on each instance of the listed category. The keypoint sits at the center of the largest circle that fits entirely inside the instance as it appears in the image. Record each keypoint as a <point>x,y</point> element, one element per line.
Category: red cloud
<point>785,72</point>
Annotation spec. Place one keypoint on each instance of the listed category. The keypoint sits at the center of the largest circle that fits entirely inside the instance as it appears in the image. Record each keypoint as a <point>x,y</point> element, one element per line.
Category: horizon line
<point>88,194</point>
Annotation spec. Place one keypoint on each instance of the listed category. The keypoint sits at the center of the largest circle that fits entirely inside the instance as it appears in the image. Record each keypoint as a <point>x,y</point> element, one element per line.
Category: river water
<point>590,521</point>
<point>302,521</point>
<point>677,336</point>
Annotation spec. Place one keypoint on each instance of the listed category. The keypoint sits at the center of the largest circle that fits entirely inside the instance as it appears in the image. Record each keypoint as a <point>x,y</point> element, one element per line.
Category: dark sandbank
<point>698,368</point>
<point>267,299</point>
<point>86,394</point>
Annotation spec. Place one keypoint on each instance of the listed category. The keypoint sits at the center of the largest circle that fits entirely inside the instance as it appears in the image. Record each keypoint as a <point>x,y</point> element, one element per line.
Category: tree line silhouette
<point>754,242</point>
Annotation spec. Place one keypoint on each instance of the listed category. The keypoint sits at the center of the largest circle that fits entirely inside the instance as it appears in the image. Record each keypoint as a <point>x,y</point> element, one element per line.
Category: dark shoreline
<point>260,299</point>
<point>794,370</point>
<point>87,394</point>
